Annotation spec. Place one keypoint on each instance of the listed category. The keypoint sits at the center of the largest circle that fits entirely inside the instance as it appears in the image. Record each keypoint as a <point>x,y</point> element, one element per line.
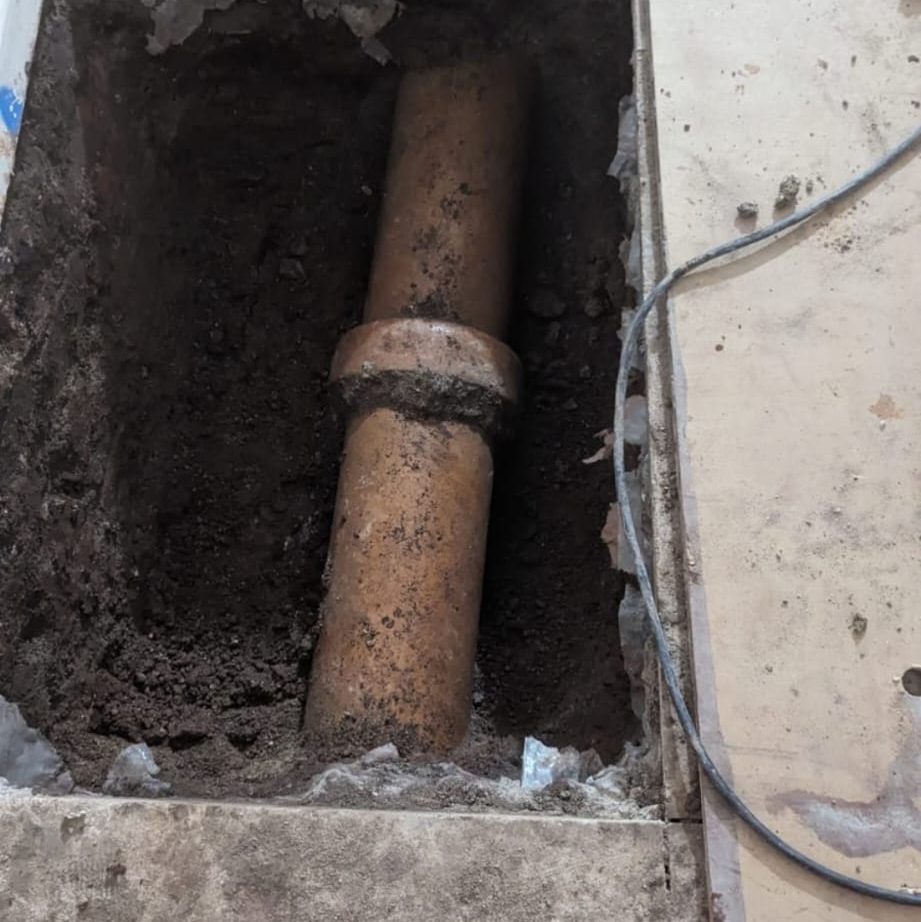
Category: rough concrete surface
<point>107,860</point>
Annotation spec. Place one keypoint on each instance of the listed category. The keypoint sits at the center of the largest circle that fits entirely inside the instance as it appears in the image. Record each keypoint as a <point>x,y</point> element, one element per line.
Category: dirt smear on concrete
<point>187,237</point>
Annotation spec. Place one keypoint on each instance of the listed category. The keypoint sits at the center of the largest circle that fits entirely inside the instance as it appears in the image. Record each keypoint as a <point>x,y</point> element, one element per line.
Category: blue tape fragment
<point>10,109</point>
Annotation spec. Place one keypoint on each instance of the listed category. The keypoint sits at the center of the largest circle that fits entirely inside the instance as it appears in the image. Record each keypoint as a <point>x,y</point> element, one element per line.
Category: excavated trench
<point>187,238</point>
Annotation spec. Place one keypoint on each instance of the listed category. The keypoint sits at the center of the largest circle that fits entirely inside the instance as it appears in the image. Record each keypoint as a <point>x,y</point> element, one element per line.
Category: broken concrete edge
<point>681,784</point>
<point>174,21</point>
<point>126,859</point>
<point>635,636</point>
<point>19,21</point>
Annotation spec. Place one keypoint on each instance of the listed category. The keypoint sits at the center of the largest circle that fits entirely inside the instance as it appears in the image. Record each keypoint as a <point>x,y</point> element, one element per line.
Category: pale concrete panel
<point>798,402</point>
<point>108,860</point>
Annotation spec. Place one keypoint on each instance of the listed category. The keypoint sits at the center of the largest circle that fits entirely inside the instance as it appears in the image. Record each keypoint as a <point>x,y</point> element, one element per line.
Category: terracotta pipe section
<point>428,384</point>
<point>445,240</point>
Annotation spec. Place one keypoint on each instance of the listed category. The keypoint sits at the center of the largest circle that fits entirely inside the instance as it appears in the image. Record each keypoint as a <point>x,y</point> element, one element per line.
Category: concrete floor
<point>794,372</point>
<point>95,858</point>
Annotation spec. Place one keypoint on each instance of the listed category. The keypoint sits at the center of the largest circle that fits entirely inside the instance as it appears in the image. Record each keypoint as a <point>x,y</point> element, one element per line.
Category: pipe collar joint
<point>429,368</point>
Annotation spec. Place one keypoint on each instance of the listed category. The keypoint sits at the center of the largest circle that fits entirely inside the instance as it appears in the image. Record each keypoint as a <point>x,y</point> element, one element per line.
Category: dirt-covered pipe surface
<point>428,383</point>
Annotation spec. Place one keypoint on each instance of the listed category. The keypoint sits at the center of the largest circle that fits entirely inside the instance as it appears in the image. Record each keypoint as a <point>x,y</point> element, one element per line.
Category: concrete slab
<point>797,410</point>
<point>108,860</point>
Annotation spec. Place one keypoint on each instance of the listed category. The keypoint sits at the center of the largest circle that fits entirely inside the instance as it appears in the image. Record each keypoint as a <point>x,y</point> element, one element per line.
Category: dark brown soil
<point>186,239</point>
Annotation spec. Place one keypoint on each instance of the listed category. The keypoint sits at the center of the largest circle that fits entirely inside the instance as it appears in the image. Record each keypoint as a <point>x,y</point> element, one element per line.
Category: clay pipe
<point>428,384</point>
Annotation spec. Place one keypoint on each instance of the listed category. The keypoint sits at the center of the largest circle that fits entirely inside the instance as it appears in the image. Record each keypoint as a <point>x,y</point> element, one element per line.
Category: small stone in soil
<point>546,304</point>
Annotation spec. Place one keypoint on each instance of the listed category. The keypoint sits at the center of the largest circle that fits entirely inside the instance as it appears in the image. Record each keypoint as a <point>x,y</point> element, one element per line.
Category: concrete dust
<point>380,779</point>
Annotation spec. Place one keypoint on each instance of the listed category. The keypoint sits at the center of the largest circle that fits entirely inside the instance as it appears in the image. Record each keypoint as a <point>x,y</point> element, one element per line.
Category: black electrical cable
<point>630,345</point>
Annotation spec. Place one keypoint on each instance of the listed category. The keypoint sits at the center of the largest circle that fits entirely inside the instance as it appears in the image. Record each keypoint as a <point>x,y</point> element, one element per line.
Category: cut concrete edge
<point>18,30</point>
<point>684,796</point>
<point>119,860</point>
<point>681,786</point>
